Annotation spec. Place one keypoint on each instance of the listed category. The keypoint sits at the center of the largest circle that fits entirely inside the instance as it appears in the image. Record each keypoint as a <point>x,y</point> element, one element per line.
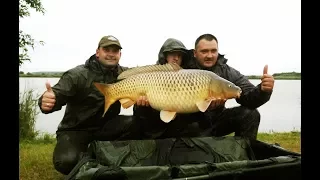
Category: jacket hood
<point>222,59</point>
<point>169,45</point>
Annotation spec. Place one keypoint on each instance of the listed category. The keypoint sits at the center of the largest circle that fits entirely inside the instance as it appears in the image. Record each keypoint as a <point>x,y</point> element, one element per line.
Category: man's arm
<point>252,96</point>
<point>62,92</point>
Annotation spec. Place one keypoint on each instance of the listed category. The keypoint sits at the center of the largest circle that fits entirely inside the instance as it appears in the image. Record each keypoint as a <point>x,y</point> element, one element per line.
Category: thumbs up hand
<point>48,99</point>
<point>267,81</point>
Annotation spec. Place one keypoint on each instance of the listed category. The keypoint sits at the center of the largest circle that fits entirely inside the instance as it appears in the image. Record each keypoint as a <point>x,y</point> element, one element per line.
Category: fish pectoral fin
<point>203,105</point>
<point>167,116</point>
<point>126,103</point>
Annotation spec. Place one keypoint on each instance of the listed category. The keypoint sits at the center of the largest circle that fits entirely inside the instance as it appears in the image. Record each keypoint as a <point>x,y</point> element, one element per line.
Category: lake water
<point>281,114</point>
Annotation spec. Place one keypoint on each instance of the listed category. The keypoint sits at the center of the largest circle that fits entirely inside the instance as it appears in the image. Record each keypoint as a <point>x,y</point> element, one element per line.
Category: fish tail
<point>108,99</point>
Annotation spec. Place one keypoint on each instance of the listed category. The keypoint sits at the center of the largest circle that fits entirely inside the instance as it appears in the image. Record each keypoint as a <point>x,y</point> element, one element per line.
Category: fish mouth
<point>239,94</point>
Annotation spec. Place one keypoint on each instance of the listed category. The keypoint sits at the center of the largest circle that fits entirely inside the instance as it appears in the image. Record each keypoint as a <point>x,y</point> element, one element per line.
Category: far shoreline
<point>249,77</point>
<point>51,74</point>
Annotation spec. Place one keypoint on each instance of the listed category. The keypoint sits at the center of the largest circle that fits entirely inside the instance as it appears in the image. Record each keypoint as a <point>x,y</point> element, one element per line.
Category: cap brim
<point>109,44</point>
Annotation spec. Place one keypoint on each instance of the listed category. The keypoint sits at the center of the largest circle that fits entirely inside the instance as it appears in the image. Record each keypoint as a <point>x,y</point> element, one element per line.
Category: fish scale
<point>169,90</point>
<point>174,91</point>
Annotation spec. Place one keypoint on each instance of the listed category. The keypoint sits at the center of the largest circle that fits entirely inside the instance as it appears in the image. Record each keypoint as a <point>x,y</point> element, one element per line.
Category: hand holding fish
<point>142,101</point>
<point>267,81</point>
<point>216,103</point>
<point>48,99</point>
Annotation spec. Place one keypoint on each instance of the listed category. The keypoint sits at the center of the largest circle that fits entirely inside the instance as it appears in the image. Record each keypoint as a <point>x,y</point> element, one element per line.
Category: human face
<point>206,53</point>
<point>109,55</point>
<point>175,57</point>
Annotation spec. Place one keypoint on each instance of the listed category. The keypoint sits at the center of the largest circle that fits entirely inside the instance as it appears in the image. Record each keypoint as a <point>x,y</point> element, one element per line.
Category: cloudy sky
<point>251,33</point>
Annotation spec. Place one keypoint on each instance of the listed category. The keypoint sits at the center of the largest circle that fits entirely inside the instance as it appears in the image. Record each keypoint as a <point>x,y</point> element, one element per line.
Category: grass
<point>36,159</point>
<point>27,115</point>
<point>36,156</point>
<point>36,162</point>
<point>290,140</point>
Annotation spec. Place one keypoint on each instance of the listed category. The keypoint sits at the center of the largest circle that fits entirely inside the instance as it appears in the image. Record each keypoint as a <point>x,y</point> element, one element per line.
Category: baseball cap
<point>109,40</point>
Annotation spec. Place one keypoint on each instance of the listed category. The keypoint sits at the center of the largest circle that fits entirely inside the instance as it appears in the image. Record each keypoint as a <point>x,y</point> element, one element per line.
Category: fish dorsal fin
<point>149,68</point>
<point>167,116</point>
<point>203,105</point>
<point>126,103</point>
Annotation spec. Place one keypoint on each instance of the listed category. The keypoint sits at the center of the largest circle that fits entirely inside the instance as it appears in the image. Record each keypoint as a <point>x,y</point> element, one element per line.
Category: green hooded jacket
<point>152,126</point>
<point>169,45</point>
<point>84,103</point>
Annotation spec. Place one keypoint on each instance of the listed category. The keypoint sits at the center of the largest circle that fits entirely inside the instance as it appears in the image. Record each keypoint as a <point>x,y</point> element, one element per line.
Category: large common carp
<point>169,89</point>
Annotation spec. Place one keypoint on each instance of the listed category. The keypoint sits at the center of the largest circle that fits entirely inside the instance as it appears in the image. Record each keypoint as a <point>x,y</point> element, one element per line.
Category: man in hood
<point>83,120</point>
<point>184,125</point>
<point>173,51</point>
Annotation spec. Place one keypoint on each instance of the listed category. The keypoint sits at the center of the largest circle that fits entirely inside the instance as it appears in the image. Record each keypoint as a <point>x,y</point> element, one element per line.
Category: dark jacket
<point>251,97</point>
<point>184,124</point>
<point>84,103</point>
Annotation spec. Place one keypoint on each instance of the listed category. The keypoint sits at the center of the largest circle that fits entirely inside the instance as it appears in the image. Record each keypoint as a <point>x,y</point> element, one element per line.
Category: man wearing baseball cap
<point>108,52</point>
<point>83,119</point>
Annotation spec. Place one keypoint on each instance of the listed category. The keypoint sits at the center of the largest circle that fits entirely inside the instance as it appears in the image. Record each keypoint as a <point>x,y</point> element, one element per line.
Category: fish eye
<point>229,86</point>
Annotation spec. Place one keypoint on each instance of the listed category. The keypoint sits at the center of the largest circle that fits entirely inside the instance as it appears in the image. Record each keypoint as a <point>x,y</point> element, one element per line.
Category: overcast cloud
<point>251,33</point>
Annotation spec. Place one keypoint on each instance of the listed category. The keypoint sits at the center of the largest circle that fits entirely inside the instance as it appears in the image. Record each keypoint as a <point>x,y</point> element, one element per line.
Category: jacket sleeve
<point>64,90</point>
<point>252,96</point>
